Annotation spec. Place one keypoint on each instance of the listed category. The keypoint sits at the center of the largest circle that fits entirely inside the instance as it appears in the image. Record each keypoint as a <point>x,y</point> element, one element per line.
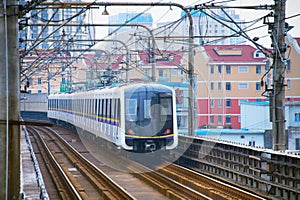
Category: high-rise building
<point>129,18</point>
<point>45,42</point>
<point>36,31</point>
<point>219,30</point>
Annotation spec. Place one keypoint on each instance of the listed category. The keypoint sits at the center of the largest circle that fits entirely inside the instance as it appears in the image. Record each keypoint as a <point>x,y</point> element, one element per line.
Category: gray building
<point>210,31</point>
<point>39,36</point>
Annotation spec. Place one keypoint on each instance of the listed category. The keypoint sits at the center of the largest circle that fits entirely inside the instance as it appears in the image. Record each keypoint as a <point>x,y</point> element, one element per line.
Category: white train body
<point>136,117</point>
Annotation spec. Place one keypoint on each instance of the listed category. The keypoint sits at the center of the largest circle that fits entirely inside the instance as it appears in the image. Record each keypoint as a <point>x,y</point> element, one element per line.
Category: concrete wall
<point>34,102</point>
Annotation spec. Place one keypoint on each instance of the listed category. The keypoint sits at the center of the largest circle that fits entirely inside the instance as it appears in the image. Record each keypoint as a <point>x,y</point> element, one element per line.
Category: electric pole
<point>279,64</point>
<point>9,101</point>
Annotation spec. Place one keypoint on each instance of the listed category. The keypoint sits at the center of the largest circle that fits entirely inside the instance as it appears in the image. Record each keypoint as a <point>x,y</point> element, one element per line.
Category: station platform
<point>32,186</point>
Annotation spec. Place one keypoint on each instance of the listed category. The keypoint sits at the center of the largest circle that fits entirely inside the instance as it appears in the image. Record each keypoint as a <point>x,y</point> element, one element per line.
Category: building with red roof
<point>229,74</point>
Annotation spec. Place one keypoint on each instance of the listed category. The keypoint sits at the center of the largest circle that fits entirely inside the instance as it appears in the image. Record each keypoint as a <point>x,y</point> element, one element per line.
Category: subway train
<point>138,117</point>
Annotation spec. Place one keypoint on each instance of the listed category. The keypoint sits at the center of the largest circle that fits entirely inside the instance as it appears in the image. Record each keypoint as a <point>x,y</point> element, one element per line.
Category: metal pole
<point>9,102</point>
<point>48,81</point>
<point>278,34</point>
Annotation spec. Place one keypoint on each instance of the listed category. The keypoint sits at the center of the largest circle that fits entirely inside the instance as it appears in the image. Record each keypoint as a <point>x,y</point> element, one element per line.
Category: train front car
<point>150,118</point>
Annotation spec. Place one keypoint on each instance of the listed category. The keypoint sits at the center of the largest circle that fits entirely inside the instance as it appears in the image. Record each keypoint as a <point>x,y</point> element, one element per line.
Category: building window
<point>34,35</point>
<point>212,103</point>
<point>228,86</point>
<point>228,119</point>
<point>212,86</point>
<point>258,69</point>
<point>39,91</point>
<point>63,80</point>
<point>45,45</point>
<point>297,144</point>
<point>228,103</point>
<point>160,72</point>
<point>212,119</point>
<point>288,67</point>
<point>175,72</point>
<point>297,117</point>
<point>288,84</point>
<point>243,86</point>
<point>257,86</point>
<point>267,67</point>
<point>39,81</point>
<point>211,69</point>
<point>243,69</point>
<point>228,69</point>
<point>219,86</point>
<point>220,103</point>
<point>219,119</point>
<point>30,81</point>
<point>219,69</point>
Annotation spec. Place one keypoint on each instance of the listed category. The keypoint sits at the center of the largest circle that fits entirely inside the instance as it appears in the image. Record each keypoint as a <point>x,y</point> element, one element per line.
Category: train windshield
<point>148,113</point>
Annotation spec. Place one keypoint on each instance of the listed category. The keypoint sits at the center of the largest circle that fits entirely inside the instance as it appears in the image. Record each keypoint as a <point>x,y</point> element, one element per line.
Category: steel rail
<point>70,192</point>
<point>99,175</point>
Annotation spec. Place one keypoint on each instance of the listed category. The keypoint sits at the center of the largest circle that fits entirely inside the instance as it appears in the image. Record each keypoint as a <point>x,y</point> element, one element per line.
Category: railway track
<point>172,181</point>
<point>74,176</point>
<point>207,185</point>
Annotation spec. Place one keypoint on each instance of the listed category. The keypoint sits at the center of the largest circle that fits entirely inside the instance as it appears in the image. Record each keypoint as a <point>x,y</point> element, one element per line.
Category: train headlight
<point>130,132</point>
<point>167,131</point>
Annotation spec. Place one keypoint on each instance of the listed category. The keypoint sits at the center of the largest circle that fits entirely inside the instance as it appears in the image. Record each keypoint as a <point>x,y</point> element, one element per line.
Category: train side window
<point>118,110</point>
<point>104,107</point>
<point>95,106</point>
<point>83,106</point>
<point>90,106</point>
<point>100,107</point>
<point>68,104</point>
<point>131,109</point>
<point>108,108</point>
<point>80,105</point>
<point>113,109</point>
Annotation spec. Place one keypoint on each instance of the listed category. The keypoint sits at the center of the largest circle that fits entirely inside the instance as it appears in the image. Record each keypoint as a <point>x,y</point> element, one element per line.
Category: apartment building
<point>292,74</point>
<point>213,27</point>
<point>231,74</point>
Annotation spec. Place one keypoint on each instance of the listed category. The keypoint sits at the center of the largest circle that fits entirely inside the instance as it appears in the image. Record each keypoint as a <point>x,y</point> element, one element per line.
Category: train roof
<point>110,90</point>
